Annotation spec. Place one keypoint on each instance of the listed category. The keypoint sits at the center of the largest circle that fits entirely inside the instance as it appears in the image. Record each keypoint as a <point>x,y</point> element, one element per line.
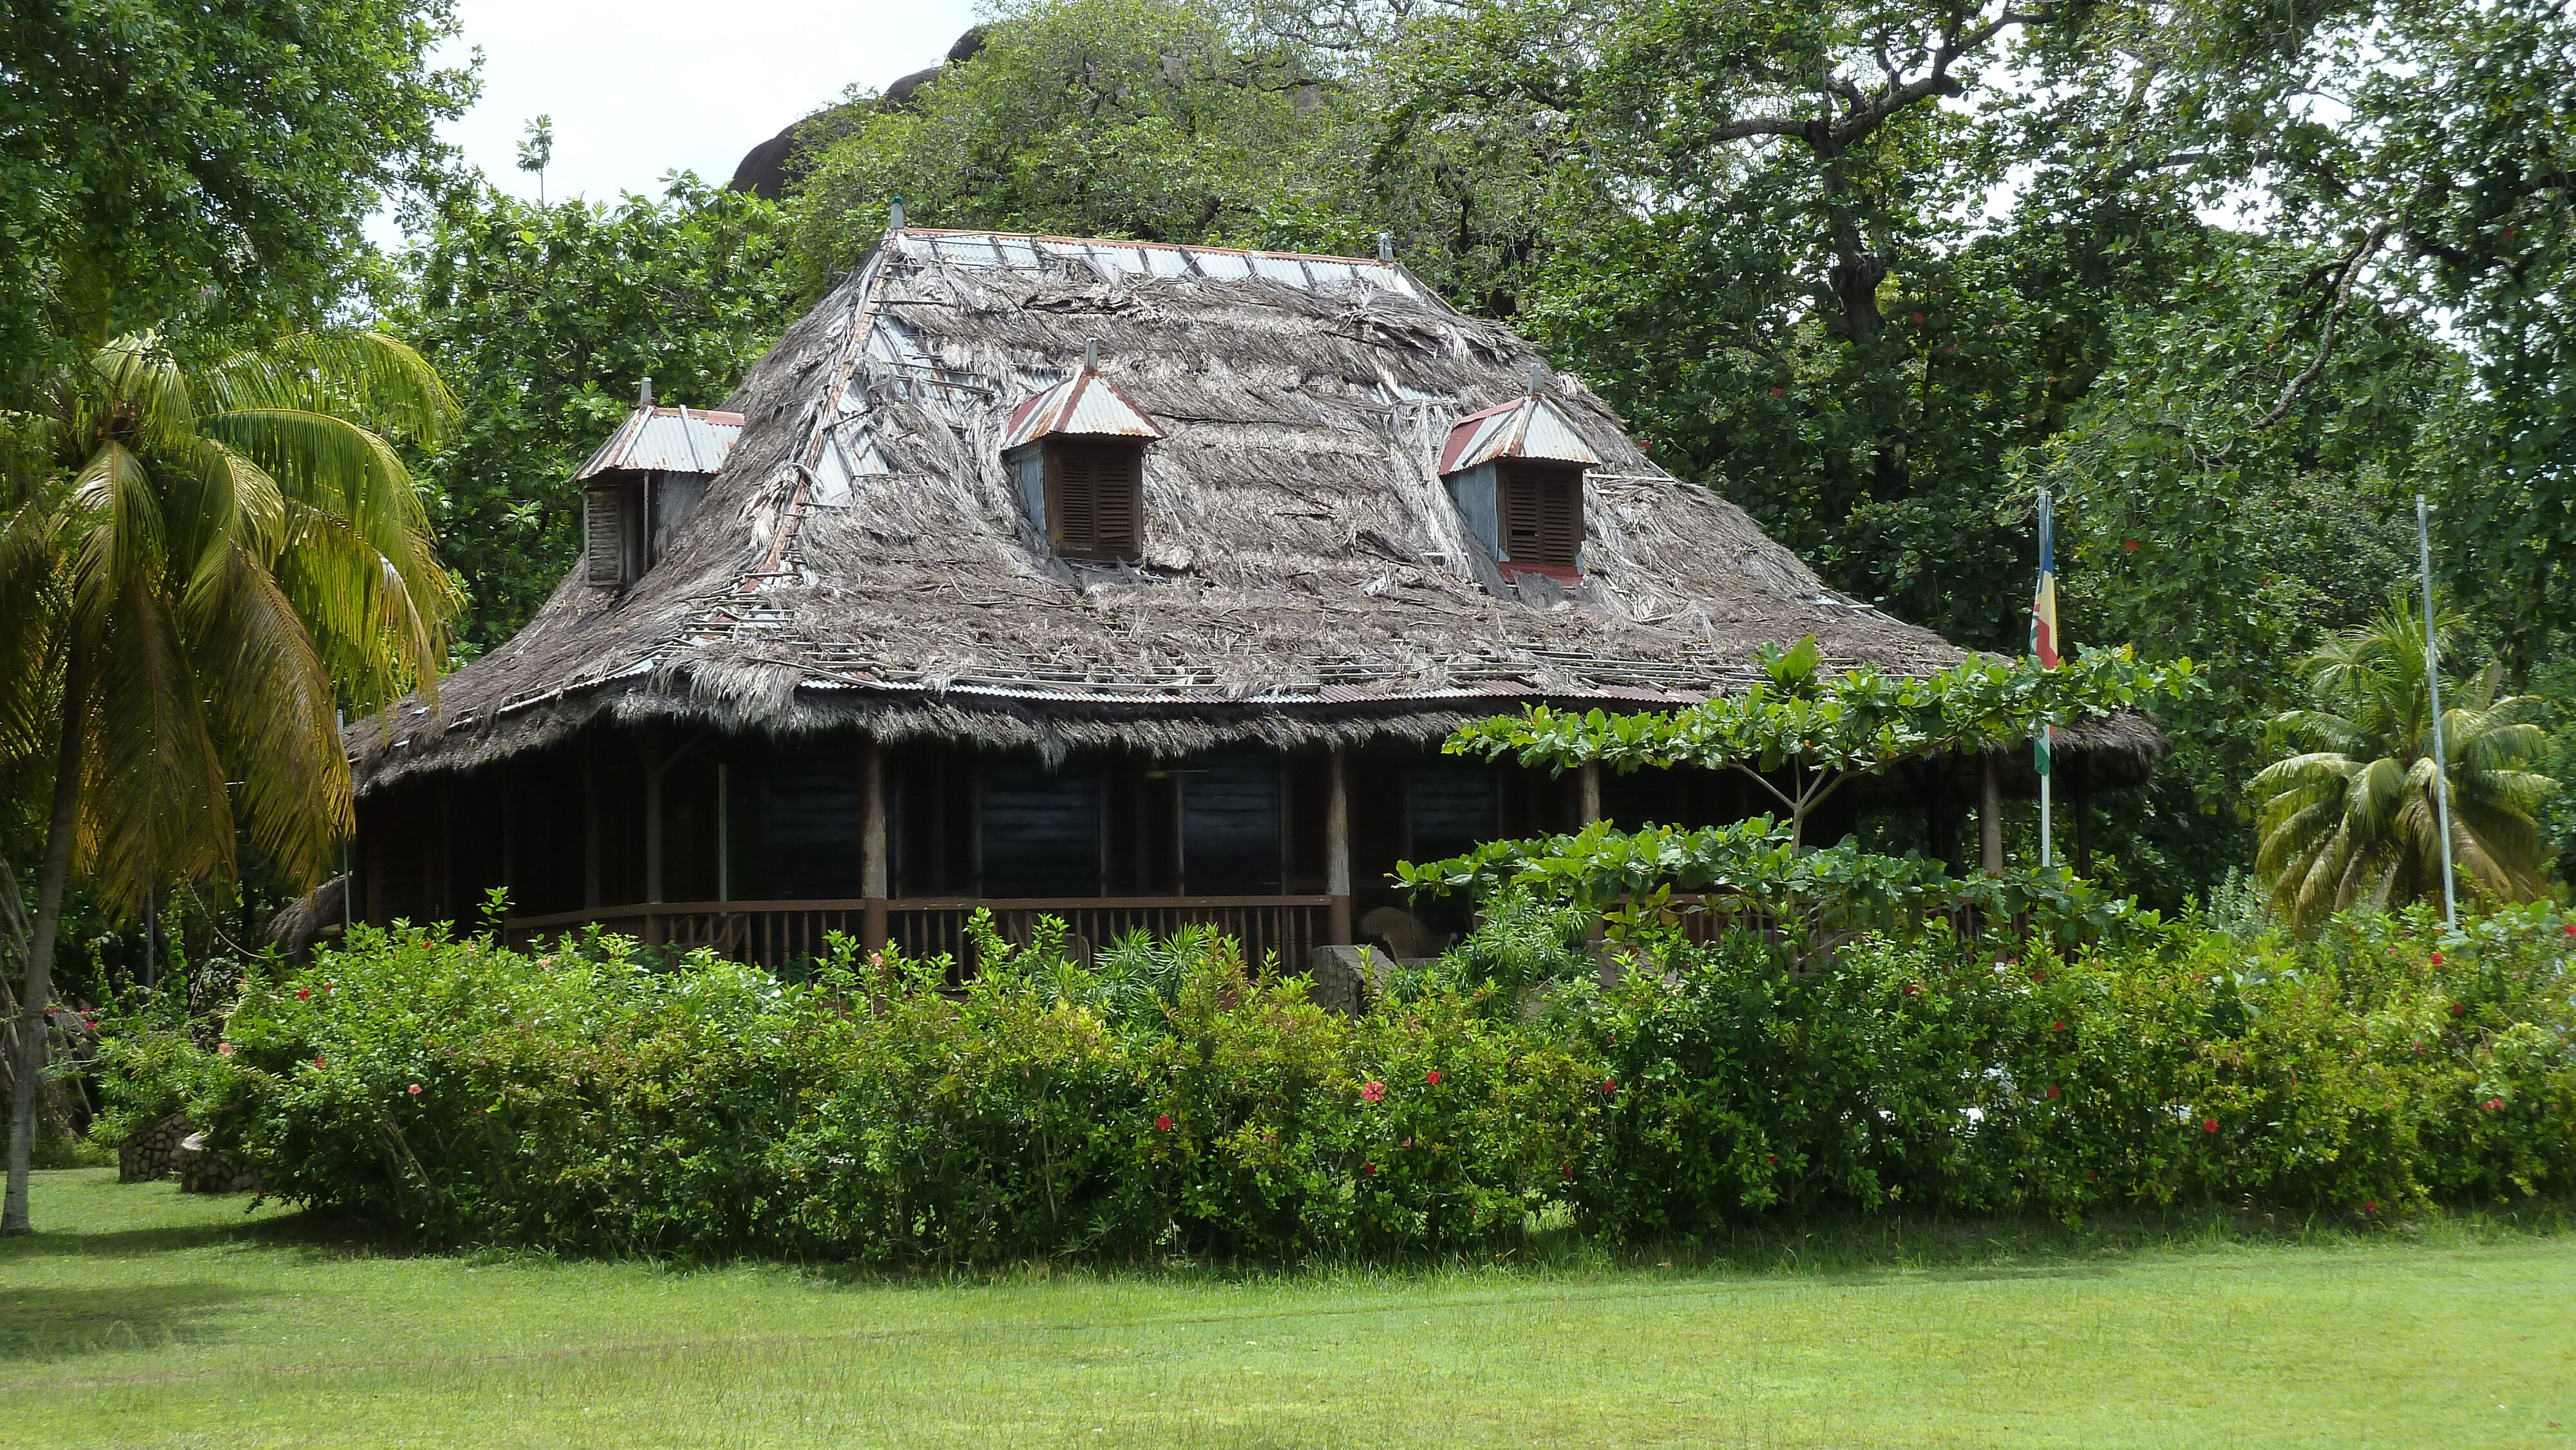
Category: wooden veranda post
<point>651,742</point>
<point>2080,786</point>
<point>872,843</point>
<point>1337,847</point>
<point>1990,815</point>
<point>1587,808</point>
<point>589,825</point>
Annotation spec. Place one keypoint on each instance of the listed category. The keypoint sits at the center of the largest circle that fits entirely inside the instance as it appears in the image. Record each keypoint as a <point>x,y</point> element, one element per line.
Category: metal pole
<point>2433,683</point>
<point>2047,761</point>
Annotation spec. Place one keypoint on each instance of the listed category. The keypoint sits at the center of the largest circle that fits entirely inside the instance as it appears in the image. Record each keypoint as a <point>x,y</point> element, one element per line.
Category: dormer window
<point>1516,474</point>
<point>643,483</point>
<point>1095,497</point>
<point>1542,512</point>
<point>1077,454</point>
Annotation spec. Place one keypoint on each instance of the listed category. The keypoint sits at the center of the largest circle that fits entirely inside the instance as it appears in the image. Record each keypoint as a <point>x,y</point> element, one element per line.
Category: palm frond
<point>147,398</point>
<point>369,378</point>
<point>116,518</point>
<point>274,720</point>
<point>155,798</point>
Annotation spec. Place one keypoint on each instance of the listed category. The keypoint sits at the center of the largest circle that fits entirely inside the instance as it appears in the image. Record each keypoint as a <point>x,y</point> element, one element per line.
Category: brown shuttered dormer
<point>1095,498</point>
<point>1542,512</point>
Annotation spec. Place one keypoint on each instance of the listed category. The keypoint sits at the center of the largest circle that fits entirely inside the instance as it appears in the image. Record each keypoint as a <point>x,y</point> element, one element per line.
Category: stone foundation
<point>152,1153</point>
<point>170,1148</point>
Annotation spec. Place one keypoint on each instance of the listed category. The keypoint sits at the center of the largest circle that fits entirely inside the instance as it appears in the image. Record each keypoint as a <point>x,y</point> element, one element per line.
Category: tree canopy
<point>165,163</point>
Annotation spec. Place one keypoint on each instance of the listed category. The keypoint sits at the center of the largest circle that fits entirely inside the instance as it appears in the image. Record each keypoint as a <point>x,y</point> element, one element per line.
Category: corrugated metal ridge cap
<point>912,231</point>
<point>1069,407</point>
<point>1024,251</point>
<point>707,436</point>
<point>615,447</point>
<point>1504,431</point>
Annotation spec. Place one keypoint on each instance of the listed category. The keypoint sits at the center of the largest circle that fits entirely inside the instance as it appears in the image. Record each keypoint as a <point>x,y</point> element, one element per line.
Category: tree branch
<point>2325,344</point>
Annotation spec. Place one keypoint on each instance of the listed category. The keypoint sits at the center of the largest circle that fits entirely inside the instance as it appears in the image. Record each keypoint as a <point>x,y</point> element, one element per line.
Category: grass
<point>142,1317</point>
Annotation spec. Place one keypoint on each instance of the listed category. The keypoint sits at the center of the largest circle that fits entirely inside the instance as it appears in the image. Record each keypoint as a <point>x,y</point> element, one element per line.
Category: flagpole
<point>2047,771</point>
<point>2433,682</point>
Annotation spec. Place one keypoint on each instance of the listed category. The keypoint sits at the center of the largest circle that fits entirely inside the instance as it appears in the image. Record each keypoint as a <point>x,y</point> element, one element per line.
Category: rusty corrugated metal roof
<point>667,440</point>
<point>1525,427</point>
<point>1086,405</point>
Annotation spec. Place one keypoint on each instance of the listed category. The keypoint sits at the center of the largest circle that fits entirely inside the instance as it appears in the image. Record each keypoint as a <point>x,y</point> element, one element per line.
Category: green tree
<point>2352,819</point>
<point>2232,487</point>
<point>162,160</point>
<point>548,318</point>
<point>197,566</point>
<point>2462,152</point>
<point>1799,734</point>
<point>1163,120</point>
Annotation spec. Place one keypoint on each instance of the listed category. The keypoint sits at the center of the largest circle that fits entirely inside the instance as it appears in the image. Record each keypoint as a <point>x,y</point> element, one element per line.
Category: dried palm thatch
<point>863,561</point>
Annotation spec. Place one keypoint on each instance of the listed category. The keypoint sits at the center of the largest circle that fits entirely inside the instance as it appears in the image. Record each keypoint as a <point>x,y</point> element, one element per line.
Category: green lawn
<point>145,1318</point>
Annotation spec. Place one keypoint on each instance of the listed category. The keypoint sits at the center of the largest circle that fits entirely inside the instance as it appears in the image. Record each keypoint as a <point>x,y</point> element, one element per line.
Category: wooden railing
<point>782,933</point>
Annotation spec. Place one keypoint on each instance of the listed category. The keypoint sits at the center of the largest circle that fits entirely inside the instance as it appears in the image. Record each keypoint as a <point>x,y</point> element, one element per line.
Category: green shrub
<point>1165,1100</point>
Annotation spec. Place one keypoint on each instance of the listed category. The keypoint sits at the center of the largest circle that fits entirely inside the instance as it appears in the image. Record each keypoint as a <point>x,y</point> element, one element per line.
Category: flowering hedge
<point>1167,1101</point>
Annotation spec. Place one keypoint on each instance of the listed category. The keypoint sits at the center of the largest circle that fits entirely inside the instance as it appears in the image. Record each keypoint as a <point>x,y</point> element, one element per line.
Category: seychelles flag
<point>2043,611</point>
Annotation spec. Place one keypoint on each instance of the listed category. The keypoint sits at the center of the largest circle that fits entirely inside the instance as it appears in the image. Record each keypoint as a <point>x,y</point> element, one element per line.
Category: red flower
<point>1373,1092</point>
<point>1775,392</point>
<point>2056,1026</point>
<point>414,1089</point>
<point>2492,1104</point>
<point>2370,1205</point>
<point>2568,930</point>
<point>2052,1089</point>
<point>1610,1087</point>
<point>1163,1124</point>
<point>1912,990</point>
<point>1432,1077</point>
<point>2457,1008</point>
<point>329,987</point>
<point>2437,959</point>
<point>2129,544</point>
<point>1569,1170</point>
<point>1770,1157</point>
<point>2209,1125</point>
<point>317,1062</point>
<point>303,994</point>
<point>1368,1168</point>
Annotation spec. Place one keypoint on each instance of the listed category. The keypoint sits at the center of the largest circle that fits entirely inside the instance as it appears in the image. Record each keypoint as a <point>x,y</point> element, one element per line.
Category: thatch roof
<point>863,558</point>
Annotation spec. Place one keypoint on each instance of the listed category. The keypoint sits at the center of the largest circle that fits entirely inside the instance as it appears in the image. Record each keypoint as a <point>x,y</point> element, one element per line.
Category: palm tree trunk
<point>51,877</point>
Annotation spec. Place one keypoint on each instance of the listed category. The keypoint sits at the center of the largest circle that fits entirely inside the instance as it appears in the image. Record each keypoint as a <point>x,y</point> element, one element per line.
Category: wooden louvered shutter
<point>1071,513</point>
<point>1542,515</point>
<point>604,525</point>
<point>1119,504</point>
<point>1560,523</point>
<point>1095,502</point>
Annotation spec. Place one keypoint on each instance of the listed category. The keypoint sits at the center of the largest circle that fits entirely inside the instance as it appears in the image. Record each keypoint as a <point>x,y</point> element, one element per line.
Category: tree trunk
<point>60,828</point>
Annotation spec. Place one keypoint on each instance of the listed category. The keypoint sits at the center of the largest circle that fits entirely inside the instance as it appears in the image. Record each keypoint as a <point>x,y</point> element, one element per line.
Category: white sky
<point>641,87</point>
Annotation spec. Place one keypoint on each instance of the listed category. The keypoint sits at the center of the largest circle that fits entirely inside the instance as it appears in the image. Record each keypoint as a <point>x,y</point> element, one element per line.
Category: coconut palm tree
<point>196,568</point>
<point>2351,819</point>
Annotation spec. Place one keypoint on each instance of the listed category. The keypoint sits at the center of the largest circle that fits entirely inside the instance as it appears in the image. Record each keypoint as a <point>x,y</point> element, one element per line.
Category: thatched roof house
<point>1108,512</point>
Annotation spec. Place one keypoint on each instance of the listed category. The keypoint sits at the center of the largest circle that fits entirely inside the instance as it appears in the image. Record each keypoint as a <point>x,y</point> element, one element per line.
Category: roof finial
<point>1386,246</point>
<point>1538,376</point>
<point>894,215</point>
<point>1091,355</point>
<point>644,394</point>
